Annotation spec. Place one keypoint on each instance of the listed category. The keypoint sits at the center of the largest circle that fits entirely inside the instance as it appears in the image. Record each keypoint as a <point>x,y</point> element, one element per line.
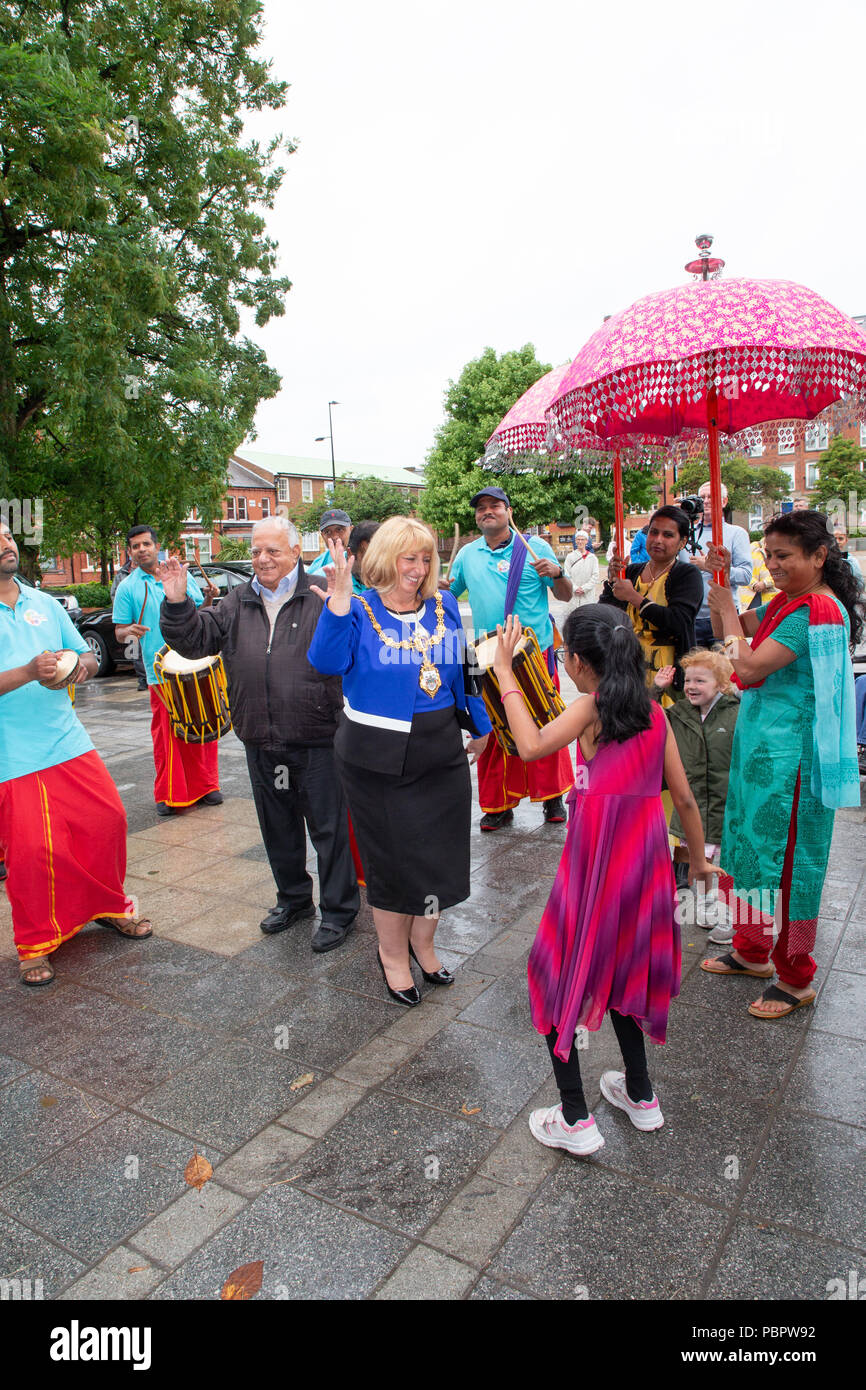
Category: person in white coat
<point>581,570</point>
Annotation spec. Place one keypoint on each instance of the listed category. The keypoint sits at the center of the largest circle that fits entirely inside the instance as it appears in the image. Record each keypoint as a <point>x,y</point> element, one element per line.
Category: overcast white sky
<point>483,172</point>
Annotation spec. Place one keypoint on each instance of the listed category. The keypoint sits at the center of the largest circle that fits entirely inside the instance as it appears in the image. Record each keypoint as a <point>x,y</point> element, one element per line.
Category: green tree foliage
<point>363,499</point>
<point>839,475</point>
<point>475,404</point>
<point>749,485</point>
<point>233,548</point>
<point>131,242</point>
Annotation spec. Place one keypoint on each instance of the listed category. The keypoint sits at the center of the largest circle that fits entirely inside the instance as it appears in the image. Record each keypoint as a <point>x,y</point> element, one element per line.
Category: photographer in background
<point>736,541</point>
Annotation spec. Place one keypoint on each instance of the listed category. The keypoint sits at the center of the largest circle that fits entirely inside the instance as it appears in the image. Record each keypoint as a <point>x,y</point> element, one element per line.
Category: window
<point>863,434</point>
<point>191,516</point>
<point>310,540</point>
<point>282,489</point>
<point>189,549</point>
<point>242,508</point>
<point>306,489</point>
<point>756,444</point>
<point>812,475</point>
<point>789,469</point>
<point>329,488</point>
<point>786,440</point>
<point>266,507</point>
<point>817,437</point>
<point>85,563</point>
<point>204,549</point>
<point>756,520</point>
<point>230,509</point>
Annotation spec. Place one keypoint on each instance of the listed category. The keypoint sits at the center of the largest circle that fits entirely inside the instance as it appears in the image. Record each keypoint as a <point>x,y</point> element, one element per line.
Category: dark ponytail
<point>602,636</point>
<point>809,530</point>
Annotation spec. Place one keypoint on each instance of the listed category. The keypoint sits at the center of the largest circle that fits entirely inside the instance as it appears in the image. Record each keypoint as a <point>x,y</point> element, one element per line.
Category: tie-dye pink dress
<point>609,938</point>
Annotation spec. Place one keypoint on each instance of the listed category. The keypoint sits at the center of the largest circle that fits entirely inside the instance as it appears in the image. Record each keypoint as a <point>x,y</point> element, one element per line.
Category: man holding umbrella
<point>501,578</point>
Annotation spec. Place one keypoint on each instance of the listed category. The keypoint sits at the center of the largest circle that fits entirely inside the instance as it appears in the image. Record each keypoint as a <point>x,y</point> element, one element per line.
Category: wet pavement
<point>362,1150</point>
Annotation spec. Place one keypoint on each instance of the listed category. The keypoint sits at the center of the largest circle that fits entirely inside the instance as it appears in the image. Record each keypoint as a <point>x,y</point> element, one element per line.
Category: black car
<point>97,628</point>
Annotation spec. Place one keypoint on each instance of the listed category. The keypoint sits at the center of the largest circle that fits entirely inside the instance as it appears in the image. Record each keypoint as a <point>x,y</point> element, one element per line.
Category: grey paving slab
<point>267,1158</point>
<point>830,1078</point>
<point>840,1006</point>
<point>310,1250</point>
<point>703,1047</point>
<point>427,1274</point>
<point>187,1223</point>
<point>811,1176</point>
<point>97,1190</point>
<point>39,1114</point>
<point>139,969</point>
<point>42,1267</point>
<point>123,1274</point>
<point>227,1096</point>
<point>492,1290</point>
<point>503,1006</point>
<point>477,1220</point>
<point>464,1065</point>
<point>762,1262</point>
<point>394,1162</point>
<point>10,1068</point>
<point>589,1234</point>
<point>729,996</point>
<point>322,1106</point>
<point>375,1062</point>
<point>708,1142</point>
<point>320,1024</point>
<point>291,953</point>
<point>851,956</point>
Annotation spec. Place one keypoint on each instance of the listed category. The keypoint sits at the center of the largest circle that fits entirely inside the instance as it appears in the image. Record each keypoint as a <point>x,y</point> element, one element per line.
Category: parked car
<point>69,601</point>
<point>97,628</point>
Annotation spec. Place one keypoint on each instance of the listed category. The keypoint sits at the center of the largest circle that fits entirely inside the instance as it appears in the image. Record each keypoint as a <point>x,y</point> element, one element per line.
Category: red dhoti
<point>504,779</point>
<point>185,772</point>
<point>64,835</point>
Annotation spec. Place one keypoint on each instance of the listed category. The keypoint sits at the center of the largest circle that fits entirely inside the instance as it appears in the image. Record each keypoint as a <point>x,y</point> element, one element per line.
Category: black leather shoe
<point>554,811</point>
<point>280,918</point>
<point>327,937</point>
<point>401,996</point>
<point>212,799</point>
<point>494,820</point>
<point>433,977</point>
<point>163,809</point>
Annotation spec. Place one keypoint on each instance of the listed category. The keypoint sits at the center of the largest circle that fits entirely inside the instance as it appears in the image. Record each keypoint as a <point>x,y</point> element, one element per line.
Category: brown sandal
<point>780,996</point>
<point>729,965</point>
<point>43,964</point>
<point>114,923</point>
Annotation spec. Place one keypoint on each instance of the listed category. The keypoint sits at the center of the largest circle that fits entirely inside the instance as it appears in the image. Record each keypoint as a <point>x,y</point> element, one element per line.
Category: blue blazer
<point>380,683</point>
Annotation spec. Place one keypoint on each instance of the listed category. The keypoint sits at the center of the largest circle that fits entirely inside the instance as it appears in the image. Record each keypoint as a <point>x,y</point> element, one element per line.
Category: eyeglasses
<point>559,656</point>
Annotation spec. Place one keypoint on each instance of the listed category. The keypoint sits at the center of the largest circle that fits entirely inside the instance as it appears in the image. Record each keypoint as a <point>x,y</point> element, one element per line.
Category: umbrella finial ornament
<point>707,265</point>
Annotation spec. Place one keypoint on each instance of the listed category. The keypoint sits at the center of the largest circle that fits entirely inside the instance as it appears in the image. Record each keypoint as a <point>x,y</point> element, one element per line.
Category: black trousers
<point>291,786</point>
<point>570,1083</point>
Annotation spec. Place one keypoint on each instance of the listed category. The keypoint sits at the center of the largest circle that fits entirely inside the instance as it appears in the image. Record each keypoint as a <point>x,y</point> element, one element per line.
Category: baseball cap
<point>490,492</point>
<point>334,518</point>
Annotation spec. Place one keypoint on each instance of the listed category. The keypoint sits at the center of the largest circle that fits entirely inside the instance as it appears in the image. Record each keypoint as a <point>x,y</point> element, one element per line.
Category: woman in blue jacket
<point>399,648</point>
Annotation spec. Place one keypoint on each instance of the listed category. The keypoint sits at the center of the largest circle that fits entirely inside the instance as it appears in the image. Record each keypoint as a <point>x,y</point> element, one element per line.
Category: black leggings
<point>568,1079</point>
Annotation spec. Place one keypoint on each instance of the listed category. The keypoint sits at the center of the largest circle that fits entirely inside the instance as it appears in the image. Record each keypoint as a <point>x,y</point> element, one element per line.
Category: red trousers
<point>504,779</point>
<point>755,935</point>
<point>64,835</point>
<point>185,772</point>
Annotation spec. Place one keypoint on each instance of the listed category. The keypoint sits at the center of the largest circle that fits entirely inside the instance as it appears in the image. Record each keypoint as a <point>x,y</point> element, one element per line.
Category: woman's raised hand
<point>339,574</point>
<point>172,575</point>
<point>508,636</point>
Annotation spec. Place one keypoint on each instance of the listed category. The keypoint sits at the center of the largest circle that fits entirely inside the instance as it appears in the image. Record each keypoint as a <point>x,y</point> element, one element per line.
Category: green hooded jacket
<point>705,748</point>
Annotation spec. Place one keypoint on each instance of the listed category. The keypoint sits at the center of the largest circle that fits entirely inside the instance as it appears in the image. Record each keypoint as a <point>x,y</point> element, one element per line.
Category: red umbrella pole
<point>715,473</point>
<point>618,509</point>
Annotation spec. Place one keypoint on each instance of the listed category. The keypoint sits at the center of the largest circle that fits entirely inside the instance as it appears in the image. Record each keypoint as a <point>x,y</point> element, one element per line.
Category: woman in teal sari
<point>794,759</point>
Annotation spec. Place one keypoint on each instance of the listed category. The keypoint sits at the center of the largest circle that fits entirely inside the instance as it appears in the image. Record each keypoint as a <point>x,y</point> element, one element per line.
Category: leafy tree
<point>233,548</point>
<point>131,240</point>
<point>839,475</point>
<point>749,485</point>
<point>363,499</point>
<point>485,391</point>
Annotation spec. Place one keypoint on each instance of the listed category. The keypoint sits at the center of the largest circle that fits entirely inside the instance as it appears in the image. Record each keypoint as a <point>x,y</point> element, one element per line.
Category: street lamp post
<point>321,437</point>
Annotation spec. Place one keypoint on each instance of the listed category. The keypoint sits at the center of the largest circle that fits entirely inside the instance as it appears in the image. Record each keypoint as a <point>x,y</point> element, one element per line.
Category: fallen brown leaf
<point>301,1081</point>
<point>136,1269</point>
<point>470,1110</point>
<point>197,1172</point>
<point>244,1282</point>
<point>46,1101</point>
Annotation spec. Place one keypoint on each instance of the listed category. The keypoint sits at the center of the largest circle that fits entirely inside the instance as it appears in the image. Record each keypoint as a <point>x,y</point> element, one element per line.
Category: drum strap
<point>515,570</point>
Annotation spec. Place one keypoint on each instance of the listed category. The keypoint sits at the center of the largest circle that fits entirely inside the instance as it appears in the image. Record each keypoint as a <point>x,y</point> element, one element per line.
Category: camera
<point>694,510</point>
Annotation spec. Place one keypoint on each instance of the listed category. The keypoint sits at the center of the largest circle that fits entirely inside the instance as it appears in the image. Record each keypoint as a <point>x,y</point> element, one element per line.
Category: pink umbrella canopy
<point>525,429</point>
<point>767,350</point>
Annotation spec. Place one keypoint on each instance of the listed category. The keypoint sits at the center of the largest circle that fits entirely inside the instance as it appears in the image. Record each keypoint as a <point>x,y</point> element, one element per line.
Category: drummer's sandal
<point>729,965</point>
<point>773,995</point>
<point>29,967</point>
<point>118,924</point>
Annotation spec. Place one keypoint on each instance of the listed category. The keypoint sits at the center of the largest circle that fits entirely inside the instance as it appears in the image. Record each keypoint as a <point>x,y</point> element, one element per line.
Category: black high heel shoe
<point>433,977</point>
<point>401,996</point>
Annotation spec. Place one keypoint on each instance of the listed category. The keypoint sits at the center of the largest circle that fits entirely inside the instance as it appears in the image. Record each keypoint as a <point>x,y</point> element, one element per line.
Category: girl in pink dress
<point>608,940</point>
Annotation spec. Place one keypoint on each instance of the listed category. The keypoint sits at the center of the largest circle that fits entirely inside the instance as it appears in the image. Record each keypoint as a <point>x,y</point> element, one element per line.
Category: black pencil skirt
<point>413,829</point>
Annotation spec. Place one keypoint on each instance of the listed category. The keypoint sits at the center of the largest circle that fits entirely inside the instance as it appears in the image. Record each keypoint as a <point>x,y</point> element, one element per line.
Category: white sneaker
<point>722,935</point>
<point>550,1129</point>
<point>644,1114</point>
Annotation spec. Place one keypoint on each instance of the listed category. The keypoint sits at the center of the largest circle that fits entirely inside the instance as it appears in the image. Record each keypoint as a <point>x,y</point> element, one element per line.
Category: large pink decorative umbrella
<point>710,356</point>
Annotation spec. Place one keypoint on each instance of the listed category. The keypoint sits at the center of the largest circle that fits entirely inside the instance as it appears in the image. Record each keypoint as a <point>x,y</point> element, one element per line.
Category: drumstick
<point>144,605</point>
<point>526,543</point>
<point>453,548</point>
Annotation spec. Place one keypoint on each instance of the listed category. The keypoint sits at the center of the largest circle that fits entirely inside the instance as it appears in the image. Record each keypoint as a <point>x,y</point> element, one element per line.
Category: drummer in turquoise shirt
<point>142,590</point>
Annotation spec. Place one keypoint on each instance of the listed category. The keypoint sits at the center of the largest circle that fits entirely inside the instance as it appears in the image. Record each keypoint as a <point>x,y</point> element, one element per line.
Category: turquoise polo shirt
<point>128,599</point>
<point>38,728</point>
<point>484,573</point>
<point>317,566</point>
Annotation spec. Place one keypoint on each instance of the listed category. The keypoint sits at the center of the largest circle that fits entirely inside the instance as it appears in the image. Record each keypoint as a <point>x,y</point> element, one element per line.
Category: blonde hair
<point>715,661</point>
<point>399,535</point>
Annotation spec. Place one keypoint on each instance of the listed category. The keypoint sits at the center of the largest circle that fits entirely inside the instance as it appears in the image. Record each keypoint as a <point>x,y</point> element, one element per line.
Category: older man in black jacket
<point>285,714</point>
